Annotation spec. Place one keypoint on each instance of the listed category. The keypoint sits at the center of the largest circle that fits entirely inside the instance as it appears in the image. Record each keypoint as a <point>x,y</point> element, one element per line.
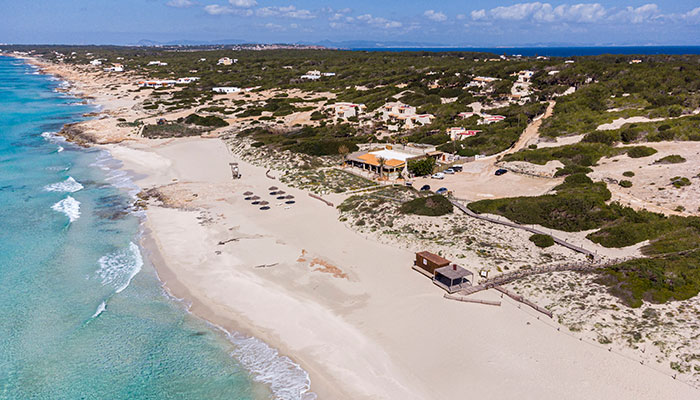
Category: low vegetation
<point>432,206</point>
<point>672,159</point>
<point>542,241</point>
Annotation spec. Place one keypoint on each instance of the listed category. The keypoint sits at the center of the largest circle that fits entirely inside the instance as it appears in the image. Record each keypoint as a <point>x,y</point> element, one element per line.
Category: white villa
<point>115,68</point>
<point>226,61</point>
<point>400,112</point>
<point>159,63</point>
<point>187,80</point>
<point>312,75</point>
<point>489,119</point>
<point>525,76</point>
<point>157,84</point>
<point>96,62</point>
<point>226,89</point>
<point>459,133</point>
<point>347,110</point>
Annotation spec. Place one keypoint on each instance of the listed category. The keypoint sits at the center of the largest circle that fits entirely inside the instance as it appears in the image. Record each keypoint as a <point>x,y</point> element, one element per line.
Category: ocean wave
<point>100,309</point>
<point>59,149</point>
<point>53,137</point>
<point>70,185</point>
<point>116,176</point>
<point>119,268</point>
<point>286,379</point>
<point>69,206</point>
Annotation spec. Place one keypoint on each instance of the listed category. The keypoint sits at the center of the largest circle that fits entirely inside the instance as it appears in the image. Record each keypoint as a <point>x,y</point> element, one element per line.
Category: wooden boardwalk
<point>557,240</point>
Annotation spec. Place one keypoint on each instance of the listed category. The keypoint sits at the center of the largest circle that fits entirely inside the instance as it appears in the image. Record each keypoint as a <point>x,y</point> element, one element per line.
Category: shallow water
<point>83,314</point>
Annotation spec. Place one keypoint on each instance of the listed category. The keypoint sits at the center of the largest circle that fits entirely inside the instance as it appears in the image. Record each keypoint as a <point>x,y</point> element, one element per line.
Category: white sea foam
<point>70,185</point>
<point>53,137</point>
<point>68,206</point>
<point>100,309</point>
<point>59,149</point>
<point>286,379</point>
<point>119,268</point>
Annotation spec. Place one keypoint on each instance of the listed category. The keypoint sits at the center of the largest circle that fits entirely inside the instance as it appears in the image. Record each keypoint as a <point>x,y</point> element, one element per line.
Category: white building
<point>95,62</point>
<point>347,110</point>
<point>115,68</point>
<point>490,119</point>
<point>187,80</point>
<point>159,63</point>
<point>226,61</point>
<point>226,89</point>
<point>459,133</point>
<point>157,84</point>
<point>525,76</point>
<point>328,74</point>
<point>312,75</point>
<point>399,112</point>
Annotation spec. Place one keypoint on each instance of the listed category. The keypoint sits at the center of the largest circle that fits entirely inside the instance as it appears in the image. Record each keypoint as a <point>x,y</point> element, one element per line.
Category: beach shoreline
<point>360,311</point>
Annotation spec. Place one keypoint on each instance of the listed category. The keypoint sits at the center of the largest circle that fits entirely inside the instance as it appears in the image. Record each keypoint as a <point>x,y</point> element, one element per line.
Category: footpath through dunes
<point>374,330</point>
<point>503,221</point>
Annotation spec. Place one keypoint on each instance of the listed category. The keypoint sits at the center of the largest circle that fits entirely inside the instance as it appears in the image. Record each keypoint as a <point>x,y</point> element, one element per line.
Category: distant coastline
<point>551,51</point>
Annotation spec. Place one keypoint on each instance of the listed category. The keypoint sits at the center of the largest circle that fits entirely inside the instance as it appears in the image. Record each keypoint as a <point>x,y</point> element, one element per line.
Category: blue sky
<point>450,22</point>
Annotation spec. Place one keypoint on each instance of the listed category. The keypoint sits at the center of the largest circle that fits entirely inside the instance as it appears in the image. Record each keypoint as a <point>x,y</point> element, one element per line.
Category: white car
<point>449,171</point>
<point>438,175</point>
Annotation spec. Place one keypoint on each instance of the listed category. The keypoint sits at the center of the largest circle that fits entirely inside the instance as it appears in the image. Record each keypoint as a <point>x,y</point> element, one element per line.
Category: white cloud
<point>288,11</point>
<point>243,3</point>
<point>576,13</point>
<point>179,3</point>
<point>638,15</point>
<point>478,15</point>
<point>379,21</point>
<point>274,27</point>
<point>215,9</point>
<point>692,15</point>
<point>435,16</point>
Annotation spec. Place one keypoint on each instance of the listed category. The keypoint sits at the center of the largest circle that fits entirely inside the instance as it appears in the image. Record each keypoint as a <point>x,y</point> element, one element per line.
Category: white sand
<point>381,332</point>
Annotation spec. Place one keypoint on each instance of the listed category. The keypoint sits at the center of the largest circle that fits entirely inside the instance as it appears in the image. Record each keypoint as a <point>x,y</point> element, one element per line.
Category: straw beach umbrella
<point>248,193</point>
<point>272,188</point>
<point>264,203</point>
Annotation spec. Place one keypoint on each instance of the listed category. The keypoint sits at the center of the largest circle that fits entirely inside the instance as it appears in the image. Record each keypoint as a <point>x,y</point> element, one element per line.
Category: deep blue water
<point>83,314</point>
<point>558,51</point>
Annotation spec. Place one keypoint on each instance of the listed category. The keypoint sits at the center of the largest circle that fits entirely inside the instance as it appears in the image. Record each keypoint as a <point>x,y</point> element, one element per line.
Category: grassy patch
<point>679,181</point>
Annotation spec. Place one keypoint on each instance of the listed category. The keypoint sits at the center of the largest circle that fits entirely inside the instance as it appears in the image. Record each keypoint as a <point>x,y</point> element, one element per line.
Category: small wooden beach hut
<point>427,262</point>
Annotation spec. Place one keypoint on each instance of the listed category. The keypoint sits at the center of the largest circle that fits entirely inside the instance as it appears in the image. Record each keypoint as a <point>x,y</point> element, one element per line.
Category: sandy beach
<point>345,307</point>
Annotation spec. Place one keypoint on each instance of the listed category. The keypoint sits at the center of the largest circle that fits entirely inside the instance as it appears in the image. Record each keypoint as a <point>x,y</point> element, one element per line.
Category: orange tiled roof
<point>371,159</point>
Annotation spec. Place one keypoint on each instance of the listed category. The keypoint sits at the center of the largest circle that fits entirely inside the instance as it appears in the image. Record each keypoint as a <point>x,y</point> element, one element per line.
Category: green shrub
<point>433,206</point>
<point>257,144</point>
<point>541,240</point>
<point>640,151</point>
<point>210,121</point>
<point>672,159</point>
<point>679,181</point>
<point>422,167</point>
<point>628,174</point>
<point>625,184</point>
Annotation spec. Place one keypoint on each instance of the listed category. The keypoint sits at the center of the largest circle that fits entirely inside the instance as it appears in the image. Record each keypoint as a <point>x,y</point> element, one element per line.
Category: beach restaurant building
<point>393,157</point>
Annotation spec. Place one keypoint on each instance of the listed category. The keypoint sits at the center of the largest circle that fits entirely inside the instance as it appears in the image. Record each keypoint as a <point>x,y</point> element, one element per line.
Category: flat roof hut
<point>453,278</point>
<point>427,262</point>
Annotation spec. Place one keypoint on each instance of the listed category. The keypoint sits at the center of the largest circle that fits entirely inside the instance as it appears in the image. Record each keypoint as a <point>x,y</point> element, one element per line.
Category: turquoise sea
<point>82,312</point>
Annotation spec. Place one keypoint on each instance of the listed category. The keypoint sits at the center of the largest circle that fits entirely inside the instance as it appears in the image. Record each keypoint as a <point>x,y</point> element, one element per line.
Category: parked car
<point>438,175</point>
<point>442,190</point>
<point>457,168</point>
<point>501,171</point>
<point>425,188</point>
<point>449,171</point>
<point>409,184</point>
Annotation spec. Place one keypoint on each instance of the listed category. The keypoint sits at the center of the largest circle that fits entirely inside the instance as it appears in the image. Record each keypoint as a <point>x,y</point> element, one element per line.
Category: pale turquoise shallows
<point>82,315</point>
